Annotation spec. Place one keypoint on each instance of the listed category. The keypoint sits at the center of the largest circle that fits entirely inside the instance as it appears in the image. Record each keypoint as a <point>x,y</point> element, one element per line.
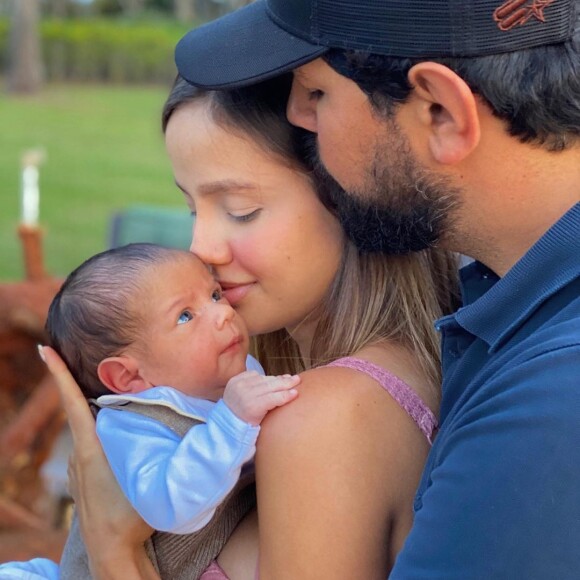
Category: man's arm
<point>504,495</point>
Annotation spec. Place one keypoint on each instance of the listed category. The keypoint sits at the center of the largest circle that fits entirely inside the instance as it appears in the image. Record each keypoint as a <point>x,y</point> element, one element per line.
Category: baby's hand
<point>251,395</point>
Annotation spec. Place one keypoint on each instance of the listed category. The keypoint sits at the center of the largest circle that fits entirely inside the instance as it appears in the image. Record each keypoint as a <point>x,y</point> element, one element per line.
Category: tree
<point>132,7</point>
<point>58,8</point>
<point>184,10</point>
<point>24,54</point>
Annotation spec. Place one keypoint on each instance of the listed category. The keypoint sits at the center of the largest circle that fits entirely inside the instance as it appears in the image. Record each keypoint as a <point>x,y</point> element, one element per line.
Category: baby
<point>145,331</point>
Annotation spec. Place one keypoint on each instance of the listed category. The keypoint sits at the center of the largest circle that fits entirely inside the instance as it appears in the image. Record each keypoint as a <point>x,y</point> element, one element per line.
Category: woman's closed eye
<point>245,217</point>
<point>185,317</point>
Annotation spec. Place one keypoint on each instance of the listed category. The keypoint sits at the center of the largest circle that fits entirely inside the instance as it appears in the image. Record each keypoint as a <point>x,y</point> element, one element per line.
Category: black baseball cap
<point>270,37</point>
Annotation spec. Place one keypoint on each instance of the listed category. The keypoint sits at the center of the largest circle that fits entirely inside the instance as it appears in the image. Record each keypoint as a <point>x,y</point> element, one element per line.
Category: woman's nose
<point>209,247</point>
<point>301,110</point>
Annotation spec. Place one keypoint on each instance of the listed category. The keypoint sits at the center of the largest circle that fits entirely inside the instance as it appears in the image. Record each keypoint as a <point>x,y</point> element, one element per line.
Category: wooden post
<point>31,238</point>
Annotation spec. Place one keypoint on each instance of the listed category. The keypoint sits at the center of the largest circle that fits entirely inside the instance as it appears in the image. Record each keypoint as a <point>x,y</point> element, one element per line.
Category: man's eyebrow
<point>303,75</point>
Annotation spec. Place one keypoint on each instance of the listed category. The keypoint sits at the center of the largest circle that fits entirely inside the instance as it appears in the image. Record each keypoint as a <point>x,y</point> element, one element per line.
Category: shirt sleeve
<point>36,569</point>
<point>252,364</point>
<point>502,499</point>
<point>176,484</point>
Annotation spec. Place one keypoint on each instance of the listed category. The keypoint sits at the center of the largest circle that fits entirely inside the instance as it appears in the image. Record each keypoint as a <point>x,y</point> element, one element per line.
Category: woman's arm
<point>113,532</point>
<point>336,475</point>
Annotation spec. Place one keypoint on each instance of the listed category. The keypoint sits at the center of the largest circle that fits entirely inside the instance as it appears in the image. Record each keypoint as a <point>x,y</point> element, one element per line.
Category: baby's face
<point>192,339</point>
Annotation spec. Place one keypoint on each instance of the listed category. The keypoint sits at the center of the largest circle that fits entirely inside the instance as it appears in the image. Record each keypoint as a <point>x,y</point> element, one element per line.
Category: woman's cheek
<point>257,253</point>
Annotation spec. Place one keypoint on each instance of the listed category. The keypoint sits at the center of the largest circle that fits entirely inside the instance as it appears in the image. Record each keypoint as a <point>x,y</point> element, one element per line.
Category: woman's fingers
<point>107,520</point>
<point>79,415</point>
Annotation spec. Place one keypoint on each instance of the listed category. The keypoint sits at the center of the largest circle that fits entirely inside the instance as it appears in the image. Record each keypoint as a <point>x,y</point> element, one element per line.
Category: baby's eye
<point>216,295</point>
<point>185,317</point>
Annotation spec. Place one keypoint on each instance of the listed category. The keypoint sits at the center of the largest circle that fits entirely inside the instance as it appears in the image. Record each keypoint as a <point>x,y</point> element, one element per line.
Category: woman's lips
<point>235,293</point>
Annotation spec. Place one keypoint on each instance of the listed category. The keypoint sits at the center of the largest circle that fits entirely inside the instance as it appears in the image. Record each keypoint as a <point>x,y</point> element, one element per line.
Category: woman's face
<point>273,246</point>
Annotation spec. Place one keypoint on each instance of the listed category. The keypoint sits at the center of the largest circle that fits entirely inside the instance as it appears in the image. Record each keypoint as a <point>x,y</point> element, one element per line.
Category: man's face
<point>392,203</point>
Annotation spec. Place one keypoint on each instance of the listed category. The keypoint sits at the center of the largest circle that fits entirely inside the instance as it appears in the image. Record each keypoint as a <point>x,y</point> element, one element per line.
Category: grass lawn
<point>104,152</point>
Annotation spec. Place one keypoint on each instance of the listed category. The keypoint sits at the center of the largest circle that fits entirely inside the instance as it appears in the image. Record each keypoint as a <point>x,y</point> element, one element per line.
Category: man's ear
<point>448,108</point>
<point>121,375</point>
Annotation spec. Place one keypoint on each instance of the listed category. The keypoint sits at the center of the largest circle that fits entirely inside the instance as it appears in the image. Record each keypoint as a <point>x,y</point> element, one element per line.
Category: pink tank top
<point>403,394</point>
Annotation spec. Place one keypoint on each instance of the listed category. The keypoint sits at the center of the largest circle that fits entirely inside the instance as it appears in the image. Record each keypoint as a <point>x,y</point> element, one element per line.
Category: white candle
<point>30,195</point>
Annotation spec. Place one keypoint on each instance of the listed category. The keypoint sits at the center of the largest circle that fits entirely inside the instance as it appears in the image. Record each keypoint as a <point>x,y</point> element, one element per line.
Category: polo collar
<point>495,313</point>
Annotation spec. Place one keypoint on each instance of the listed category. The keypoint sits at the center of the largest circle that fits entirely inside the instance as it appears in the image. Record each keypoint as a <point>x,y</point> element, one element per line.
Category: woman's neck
<point>303,335</point>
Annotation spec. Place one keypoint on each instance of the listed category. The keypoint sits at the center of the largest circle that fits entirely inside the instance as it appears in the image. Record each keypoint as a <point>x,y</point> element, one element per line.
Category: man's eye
<point>185,317</point>
<point>216,295</point>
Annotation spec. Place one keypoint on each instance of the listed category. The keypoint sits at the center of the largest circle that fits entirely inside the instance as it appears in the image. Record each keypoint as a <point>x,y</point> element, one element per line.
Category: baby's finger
<point>272,399</point>
<point>280,382</point>
<point>77,410</point>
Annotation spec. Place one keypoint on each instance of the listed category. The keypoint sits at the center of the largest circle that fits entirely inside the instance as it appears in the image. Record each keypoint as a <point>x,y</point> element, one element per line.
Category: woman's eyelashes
<point>238,218</point>
<point>185,317</point>
<point>245,217</point>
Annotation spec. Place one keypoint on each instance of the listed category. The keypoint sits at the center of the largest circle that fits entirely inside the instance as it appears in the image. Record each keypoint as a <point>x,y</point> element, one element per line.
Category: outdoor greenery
<point>104,152</point>
<point>109,50</point>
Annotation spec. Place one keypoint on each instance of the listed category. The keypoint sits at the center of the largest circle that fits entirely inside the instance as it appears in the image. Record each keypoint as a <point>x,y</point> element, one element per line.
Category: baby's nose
<point>225,314</point>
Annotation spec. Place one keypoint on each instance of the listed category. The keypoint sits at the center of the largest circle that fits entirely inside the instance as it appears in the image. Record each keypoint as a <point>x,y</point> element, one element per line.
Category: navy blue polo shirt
<point>500,493</point>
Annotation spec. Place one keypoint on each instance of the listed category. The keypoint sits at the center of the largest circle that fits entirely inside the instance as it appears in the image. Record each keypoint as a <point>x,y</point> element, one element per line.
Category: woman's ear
<point>449,109</point>
<point>121,375</point>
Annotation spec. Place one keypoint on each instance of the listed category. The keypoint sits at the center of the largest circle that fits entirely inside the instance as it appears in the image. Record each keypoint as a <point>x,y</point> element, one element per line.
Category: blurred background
<point>82,168</point>
<point>83,82</point>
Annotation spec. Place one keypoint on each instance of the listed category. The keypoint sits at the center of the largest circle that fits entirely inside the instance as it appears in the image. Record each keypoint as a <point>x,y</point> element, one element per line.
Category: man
<point>455,122</point>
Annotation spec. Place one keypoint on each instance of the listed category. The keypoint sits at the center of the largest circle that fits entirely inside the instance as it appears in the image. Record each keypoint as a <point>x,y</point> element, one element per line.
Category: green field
<point>104,152</point>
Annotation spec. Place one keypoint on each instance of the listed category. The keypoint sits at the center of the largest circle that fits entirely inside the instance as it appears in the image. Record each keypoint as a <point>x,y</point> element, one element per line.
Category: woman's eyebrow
<point>225,186</point>
<point>221,186</point>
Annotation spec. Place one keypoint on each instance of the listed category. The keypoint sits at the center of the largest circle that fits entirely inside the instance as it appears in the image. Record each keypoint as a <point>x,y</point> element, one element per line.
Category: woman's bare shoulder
<point>335,389</point>
<point>334,403</point>
<point>346,434</point>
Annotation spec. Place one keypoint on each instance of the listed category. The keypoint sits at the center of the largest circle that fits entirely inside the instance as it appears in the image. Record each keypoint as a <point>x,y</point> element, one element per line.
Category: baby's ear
<point>120,374</point>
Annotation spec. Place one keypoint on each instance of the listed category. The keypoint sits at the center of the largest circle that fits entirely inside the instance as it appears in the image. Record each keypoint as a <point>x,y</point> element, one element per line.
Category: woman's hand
<point>113,532</point>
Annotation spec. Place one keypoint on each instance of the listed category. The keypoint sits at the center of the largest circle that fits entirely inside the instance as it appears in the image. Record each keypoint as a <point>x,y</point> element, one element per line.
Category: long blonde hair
<point>375,298</point>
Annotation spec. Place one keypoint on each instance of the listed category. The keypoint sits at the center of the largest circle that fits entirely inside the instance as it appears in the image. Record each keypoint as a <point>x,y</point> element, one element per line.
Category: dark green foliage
<point>103,50</point>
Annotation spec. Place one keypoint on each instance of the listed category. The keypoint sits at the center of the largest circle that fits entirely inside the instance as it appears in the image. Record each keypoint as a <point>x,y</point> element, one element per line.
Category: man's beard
<point>402,208</point>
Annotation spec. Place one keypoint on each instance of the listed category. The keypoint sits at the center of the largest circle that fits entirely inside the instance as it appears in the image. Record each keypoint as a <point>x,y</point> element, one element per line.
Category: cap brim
<point>241,48</point>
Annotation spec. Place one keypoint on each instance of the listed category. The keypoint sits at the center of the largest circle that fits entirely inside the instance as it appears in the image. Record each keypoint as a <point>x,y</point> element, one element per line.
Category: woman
<point>336,470</point>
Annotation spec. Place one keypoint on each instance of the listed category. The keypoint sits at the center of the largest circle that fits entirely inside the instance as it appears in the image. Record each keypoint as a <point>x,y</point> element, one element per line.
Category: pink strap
<point>214,572</point>
<point>407,398</point>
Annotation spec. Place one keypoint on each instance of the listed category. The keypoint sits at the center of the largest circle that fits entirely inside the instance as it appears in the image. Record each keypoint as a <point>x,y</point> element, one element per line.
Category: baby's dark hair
<point>91,317</point>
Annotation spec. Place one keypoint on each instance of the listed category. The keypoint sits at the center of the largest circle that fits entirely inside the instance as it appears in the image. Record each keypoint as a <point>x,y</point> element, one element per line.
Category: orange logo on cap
<point>518,12</point>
